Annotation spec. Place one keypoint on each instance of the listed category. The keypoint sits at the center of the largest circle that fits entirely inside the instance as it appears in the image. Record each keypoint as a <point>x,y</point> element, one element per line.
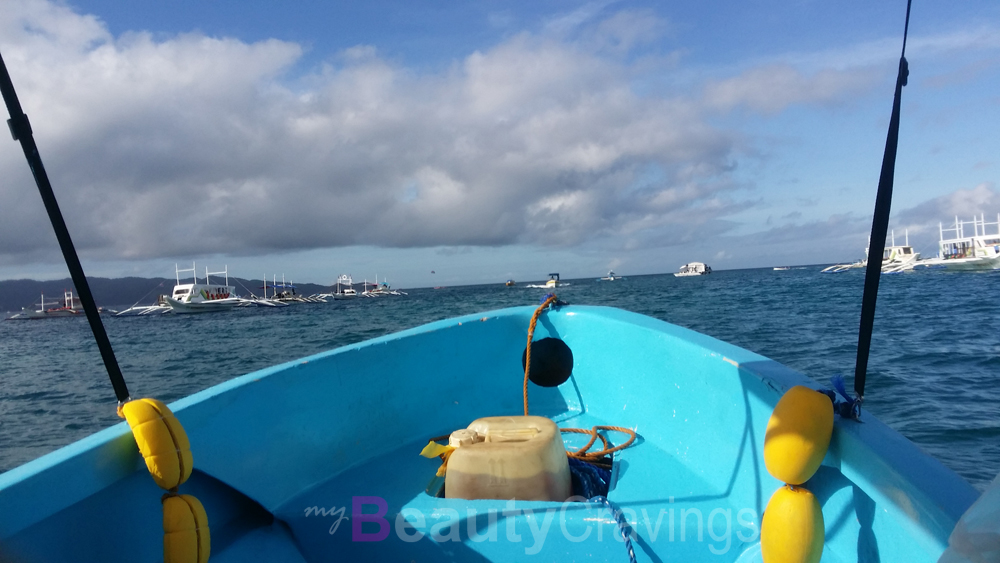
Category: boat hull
<point>48,314</point>
<point>963,264</point>
<point>212,306</point>
<point>277,454</point>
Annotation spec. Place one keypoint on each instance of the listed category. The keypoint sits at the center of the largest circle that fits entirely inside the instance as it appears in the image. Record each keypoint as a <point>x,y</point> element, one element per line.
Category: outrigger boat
<point>284,294</point>
<point>960,251</point>
<point>71,308</point>
<point>895,259</point>
<point>202,297</point>
<point>708,452</point>
<point>345,289</point>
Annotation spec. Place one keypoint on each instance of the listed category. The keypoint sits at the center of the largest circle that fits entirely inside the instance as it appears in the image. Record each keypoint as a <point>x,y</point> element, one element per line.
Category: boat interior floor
<point>662,498</point>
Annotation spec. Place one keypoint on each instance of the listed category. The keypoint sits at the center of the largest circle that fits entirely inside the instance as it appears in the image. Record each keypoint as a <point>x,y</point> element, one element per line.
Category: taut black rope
<point>880,224</point>
<point>20,129</point>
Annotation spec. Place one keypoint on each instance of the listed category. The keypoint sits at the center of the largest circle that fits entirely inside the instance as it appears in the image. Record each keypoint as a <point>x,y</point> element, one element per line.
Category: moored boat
<point>895,258</point>
<point>693,269</point>
<point>71,308</point>
<point>344,289</point>
<point>198,297</point>
<point>958,250</point>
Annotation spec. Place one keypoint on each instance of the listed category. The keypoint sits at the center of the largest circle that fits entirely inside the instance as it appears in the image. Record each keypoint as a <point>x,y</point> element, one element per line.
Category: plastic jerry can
<point>508,457</point>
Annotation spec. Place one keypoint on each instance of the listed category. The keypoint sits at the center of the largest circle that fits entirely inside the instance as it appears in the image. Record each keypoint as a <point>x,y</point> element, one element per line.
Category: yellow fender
<point>161,440</point>
<point>792,528</point>
<point>186,537</point>
<point>798,435</point>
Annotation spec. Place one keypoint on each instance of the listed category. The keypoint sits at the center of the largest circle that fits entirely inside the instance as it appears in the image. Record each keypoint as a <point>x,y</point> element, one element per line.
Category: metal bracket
<point>20,127</point>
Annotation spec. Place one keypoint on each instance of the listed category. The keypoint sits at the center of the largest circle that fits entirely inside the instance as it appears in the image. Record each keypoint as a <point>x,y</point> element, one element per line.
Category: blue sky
<point>489,140</point>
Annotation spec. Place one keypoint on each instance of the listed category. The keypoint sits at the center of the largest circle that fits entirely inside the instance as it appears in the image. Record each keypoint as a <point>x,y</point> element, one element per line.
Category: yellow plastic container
<point>508,457</point>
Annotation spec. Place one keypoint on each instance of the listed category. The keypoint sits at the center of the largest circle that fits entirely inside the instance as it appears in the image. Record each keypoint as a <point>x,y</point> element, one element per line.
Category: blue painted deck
<point>278,452</point>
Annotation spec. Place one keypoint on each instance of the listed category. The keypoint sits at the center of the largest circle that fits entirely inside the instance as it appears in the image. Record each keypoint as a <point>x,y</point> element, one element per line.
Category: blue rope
<point>556,303</point>
<point>588,480</point>
<point>623,525</point>
<point>849,408</point>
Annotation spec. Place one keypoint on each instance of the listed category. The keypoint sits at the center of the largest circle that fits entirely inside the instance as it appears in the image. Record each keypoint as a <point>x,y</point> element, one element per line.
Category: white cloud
<point>772,88</point>
<point>962,203</point>
<point>192,144</point>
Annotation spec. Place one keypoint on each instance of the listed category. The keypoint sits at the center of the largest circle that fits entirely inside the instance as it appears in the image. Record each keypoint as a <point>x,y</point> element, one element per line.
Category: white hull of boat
<point>693,269</point>
<point>963,264</point>
<point>49,314</point>
<point>202,306</point>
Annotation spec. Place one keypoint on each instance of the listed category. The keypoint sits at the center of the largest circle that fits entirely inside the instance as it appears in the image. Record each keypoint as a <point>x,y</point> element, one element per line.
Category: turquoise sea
<point>933,374</point>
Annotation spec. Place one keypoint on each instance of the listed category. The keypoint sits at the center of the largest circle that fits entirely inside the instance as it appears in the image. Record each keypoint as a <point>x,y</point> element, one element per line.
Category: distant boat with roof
<point>199,297</point>
<point>895,258</point>
<point>344,289</point>
<point>71,308</point>
<point>611,276</point>
<point>553,282</point>
<point>693,269</point>
<point>960,251</point>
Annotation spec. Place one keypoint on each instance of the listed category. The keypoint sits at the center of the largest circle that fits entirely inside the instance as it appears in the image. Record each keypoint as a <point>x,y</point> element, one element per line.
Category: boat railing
<point>224,272</point>
<point>979,227</point>
<point>178,271</point>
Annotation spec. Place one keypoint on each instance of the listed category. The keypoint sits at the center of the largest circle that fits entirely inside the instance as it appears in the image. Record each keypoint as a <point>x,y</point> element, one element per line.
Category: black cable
<point>20,129</point>
<point>880,225</point>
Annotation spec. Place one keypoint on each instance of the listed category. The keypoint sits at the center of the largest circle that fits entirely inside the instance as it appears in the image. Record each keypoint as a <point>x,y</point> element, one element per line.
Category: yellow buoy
<point>792,528</point>
<point>798,435</point>
<point>186,536</point>
<point>161,440</point>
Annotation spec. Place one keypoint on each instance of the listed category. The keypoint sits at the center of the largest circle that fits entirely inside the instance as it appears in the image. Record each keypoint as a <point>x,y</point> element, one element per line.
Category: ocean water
<point>933,372</point>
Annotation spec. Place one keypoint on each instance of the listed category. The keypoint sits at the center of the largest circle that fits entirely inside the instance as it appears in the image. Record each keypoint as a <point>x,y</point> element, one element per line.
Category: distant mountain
<point>116,293</point>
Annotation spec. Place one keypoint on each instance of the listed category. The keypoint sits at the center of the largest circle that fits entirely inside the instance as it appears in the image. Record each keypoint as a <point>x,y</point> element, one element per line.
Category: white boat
<point>693,269</point>
<point>345,289</point>
<point>552,283</point>
<point>284,294</point>
<point>895,258</point>
<point>71,308</point>
<point>898,258</point>
<point>384,289</point>
<point>202,297</point>
<point>611,276</point>
<point>959,251</point>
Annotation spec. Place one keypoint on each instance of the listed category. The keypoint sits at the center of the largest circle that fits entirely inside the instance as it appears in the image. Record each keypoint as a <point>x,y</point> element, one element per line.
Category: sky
<point>449,143</point>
